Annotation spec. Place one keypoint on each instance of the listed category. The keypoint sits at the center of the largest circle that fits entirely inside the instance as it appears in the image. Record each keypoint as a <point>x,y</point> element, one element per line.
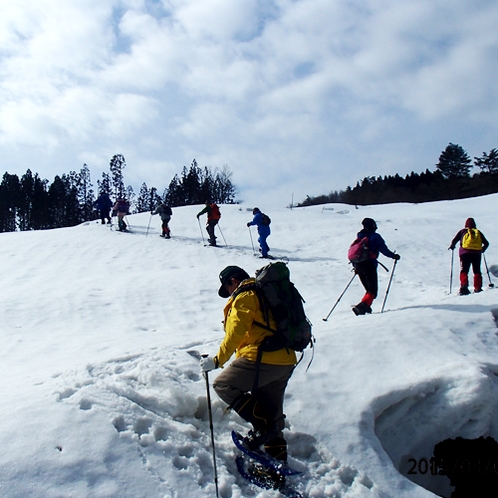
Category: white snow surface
<point>101,396</point>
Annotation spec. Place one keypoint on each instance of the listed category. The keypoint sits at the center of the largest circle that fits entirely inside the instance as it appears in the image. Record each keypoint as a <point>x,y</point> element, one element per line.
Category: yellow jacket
<point>243,336</point>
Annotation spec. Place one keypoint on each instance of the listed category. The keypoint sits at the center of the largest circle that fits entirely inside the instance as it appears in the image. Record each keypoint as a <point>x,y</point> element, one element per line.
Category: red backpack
<point>358,251</point>
<point>215,212</point>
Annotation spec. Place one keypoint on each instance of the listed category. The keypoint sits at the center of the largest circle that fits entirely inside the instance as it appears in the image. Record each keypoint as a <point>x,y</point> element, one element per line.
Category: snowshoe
<point>257,474</point>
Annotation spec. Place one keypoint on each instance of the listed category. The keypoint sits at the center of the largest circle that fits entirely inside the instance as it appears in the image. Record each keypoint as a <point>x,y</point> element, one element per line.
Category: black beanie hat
<point>369,224</point>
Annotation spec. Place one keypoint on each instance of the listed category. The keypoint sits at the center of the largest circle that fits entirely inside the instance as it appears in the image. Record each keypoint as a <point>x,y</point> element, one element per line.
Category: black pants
<point>210,230</point>
<point>104,214</point>
<point>367,271</point>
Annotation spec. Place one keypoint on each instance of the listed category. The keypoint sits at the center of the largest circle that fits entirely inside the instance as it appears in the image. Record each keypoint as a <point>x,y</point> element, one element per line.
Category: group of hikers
<point>254,383</point>
<point>120,208</point>
<point>211,209</point>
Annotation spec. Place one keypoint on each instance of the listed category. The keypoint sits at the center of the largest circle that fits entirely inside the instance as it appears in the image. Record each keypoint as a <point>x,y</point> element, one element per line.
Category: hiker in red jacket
<point>213,216</point>
<point>473,243</point>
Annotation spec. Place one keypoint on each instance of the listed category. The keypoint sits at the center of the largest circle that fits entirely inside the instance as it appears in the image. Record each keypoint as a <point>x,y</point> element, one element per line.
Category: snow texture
<point>101,390</point>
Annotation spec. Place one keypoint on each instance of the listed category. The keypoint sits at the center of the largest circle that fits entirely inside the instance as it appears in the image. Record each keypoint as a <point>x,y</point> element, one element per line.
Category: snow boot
<point>277,448</point>
<point>362,308</point>
<point>252,411</point>
<point>464,291</point>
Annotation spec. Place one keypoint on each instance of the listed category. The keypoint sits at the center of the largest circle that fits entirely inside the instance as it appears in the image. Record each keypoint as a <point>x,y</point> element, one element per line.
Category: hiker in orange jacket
<point>473,243</point>
<point>213,216</point>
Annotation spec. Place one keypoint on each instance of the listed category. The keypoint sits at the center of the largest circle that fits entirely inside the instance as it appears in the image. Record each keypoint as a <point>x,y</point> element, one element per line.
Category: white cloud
<point>342,90</point>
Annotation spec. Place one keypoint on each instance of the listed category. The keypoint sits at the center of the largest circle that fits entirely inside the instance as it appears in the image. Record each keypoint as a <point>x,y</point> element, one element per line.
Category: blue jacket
<point>376,244</point>
<point>103,202</point>
<point>258,221</point>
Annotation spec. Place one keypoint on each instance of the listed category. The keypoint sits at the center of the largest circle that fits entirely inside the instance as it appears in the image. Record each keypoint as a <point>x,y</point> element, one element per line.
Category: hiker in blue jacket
<point>263,223</point>
<point>367,270</point>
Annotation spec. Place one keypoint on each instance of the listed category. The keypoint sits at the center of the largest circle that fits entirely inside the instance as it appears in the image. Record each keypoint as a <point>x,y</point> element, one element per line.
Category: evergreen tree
<point>488,162</point>
<point>105,185</point>
<point>143,197</point>
<point>173,194</point>
<point>148,199</point>
<point>454,162</point>
<point>25,200</point>
<point>130,197</point>
<point>57,202</point>
<point>73,212</point>
<point>10,192</point>
<point>39,202</point>
<point>117,165</point>
<point>86,196</point>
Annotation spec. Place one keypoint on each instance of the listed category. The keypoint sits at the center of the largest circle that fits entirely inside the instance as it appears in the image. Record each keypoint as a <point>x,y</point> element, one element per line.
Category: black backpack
<point>278,296</point>
<point>265,219</point>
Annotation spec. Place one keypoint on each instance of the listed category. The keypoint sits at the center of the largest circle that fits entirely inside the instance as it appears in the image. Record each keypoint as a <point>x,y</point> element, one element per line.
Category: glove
<point>208,363</point>
<point>451,248</point>
<point>397,257</point>
<point>248,224</point>
<point>197,216</point>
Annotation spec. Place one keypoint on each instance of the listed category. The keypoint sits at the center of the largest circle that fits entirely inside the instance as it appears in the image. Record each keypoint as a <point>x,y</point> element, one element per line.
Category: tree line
<point>452,179</point>
<point>32,203</point>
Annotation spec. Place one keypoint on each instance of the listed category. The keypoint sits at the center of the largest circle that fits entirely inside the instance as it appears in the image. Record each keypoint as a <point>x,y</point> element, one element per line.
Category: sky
<point>102,394</point>
<point>297,97</point>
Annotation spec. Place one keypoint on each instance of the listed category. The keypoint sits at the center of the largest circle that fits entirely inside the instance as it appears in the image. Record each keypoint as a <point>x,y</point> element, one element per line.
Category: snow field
<point>101,397</point>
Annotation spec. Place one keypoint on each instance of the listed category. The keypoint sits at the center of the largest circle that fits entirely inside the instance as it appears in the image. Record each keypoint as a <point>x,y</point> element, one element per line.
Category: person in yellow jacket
<point>255,390</point>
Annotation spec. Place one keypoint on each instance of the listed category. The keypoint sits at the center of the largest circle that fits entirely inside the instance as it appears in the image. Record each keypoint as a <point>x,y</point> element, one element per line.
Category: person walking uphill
<point>121,208</point>
<point>213,216</point>
<point>473,243</point>
<point>262,221</point>
<point>104,205</point>
<point>261,404</point>
<point>367,269</point>
<point>165,212</point>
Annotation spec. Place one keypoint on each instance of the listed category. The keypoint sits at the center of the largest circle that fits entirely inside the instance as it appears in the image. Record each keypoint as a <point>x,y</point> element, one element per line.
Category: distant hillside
<point>451,180</point>
<point>426,187</point>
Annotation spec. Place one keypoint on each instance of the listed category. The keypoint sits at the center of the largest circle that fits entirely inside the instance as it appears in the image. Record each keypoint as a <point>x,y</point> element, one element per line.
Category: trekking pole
<point>218,225</point>
<point>212,430</point>
<point>202,234</point>
<point>148,226</point>
<point>389,285</point>
<point>451,270</point>
<point>252,243</point>
<point>340,297</point>
<point>491,285</point>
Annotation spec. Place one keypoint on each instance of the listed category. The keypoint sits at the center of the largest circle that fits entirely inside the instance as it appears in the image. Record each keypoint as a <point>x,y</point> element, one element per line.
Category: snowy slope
<point>101,398</point>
